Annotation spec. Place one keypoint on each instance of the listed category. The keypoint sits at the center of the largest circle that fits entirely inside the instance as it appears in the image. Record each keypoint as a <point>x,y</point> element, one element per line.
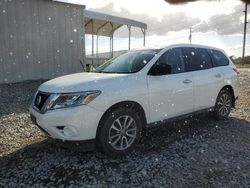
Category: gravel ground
<point>191,153</point>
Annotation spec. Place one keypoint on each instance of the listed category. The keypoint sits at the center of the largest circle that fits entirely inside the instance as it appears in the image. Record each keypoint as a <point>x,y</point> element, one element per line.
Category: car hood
<point>80,82</point>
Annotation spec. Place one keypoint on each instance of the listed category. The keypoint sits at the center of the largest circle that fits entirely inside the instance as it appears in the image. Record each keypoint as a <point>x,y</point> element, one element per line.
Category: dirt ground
<point>198,151</point>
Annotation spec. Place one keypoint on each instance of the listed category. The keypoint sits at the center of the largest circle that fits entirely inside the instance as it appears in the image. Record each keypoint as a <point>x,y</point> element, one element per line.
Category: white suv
<point>114,104</point>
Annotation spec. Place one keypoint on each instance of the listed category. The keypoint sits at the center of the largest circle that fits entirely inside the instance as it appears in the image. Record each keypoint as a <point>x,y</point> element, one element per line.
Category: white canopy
<point>104,25</point>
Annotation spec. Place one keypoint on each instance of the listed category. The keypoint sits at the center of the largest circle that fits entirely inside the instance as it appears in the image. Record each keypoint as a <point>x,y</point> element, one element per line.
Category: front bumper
<point>72,124</point>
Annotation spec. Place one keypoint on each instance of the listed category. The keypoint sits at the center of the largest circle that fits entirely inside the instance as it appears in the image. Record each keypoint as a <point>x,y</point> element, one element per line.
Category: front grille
<point>40,100</point>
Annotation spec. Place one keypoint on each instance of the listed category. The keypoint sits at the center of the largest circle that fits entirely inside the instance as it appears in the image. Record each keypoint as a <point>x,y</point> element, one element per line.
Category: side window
<point>174,58</point>
<point>198,59</point>
<point>219,58</point>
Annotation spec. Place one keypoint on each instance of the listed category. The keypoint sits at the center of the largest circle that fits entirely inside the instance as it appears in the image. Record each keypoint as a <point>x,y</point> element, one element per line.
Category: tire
<point>223,105</point>
<point>119,132</point>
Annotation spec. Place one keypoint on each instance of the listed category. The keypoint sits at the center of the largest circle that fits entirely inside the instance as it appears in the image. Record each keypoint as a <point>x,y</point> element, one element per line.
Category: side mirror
<point>160,69</point>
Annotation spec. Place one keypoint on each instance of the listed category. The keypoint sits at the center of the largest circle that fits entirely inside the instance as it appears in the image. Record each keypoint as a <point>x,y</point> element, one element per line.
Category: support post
<point>244,35</point>
<point>190,35</point>
<point>129,36</point>
<point>144,36</point>
<point>111,40</point>
<point>112,45</point>
<point>97,55</point>
<point>92,43</point>
<point>110,48</point>
<point>97,38</point>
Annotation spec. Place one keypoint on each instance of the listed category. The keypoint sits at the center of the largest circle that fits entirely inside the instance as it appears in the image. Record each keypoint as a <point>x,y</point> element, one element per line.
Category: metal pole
<point>97,55</point>
<point>190,35</point>
<point>144,36</point>
<point>112,44</point>
<point>110,48</point>
<point>97,37</point>
<point>111,40</point>
<point>129,36</point>
<point>92,42</point>
<point>244,35</point>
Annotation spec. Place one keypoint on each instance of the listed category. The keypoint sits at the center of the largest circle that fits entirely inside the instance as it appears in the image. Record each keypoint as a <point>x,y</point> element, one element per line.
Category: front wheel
<point>223,104</point>
<point>119,132</point>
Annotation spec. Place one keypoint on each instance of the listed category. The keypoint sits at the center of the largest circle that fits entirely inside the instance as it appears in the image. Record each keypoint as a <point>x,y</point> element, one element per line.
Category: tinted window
<point>174,58</point>
<point>198,59</point>
<point>219,58</point>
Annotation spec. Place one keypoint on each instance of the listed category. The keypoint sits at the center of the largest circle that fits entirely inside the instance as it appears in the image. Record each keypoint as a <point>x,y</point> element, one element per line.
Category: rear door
<point>220,70</point>
<point>171,95</point>
<point>200,64</point>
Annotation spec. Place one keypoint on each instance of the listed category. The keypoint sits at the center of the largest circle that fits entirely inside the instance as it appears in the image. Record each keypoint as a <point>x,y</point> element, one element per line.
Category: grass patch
<point>242,66</point>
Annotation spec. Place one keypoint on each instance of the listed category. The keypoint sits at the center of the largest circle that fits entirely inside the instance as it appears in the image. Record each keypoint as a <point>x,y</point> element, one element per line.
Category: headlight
<point>72,99</point>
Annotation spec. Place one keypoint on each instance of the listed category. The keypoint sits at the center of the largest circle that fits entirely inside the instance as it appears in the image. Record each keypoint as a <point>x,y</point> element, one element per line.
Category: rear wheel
<point>119,132</point>
<point>223,104</point>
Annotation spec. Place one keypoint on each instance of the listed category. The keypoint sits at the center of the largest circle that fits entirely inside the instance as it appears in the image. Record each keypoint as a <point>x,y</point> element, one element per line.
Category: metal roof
<point>69,2</point>
<point>104,24</point>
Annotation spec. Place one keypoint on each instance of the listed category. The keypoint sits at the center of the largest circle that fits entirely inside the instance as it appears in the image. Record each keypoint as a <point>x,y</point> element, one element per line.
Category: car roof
<point>158,48</point>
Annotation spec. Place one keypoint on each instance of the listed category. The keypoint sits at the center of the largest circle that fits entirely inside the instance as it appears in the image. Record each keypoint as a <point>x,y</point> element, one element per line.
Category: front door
<point>171,95</point>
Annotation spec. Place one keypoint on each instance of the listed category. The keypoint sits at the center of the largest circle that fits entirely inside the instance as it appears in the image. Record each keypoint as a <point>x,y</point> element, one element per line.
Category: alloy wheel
<point>224,105</point>
<point>122,132</point>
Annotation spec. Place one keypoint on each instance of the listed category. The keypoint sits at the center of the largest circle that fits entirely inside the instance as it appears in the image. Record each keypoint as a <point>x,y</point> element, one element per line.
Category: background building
<point>43,39</point>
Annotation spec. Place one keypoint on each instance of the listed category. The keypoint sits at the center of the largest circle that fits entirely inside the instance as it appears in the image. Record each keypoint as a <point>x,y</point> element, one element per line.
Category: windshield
<point>129,62</point>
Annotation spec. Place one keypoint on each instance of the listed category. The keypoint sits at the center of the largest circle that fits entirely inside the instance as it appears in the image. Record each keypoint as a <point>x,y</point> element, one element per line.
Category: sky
<point>216,23</point>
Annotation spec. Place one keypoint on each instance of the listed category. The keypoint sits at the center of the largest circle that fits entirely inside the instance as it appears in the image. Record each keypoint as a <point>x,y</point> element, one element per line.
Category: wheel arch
<point>124,104</point>
<point>231,90</point>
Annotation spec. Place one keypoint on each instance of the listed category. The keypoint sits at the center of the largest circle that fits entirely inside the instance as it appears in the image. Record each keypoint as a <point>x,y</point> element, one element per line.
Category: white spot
<point>173,104</point>
<point>144,61</point>
<point>58,51</point>
<point>192,53</point>
<point>201,66</point>
<point>71,41</point>
<point>11,36</point>
<point>39,62</point>
<point>75,30</point>
<point>27,57</point>
<point>29,53</point>
<point>49,18</point>
<point>4,11</point>
<point>11,53</point>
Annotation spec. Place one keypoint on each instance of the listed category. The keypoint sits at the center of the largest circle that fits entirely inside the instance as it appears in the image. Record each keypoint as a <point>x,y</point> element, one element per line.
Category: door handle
<point>187,81</point>
<point>218,75</point>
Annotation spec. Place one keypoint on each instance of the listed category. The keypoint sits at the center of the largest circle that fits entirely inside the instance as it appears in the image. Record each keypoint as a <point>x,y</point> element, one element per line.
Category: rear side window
<point>198,59</point>
<point>174,58</point>
<point>219,58</point>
